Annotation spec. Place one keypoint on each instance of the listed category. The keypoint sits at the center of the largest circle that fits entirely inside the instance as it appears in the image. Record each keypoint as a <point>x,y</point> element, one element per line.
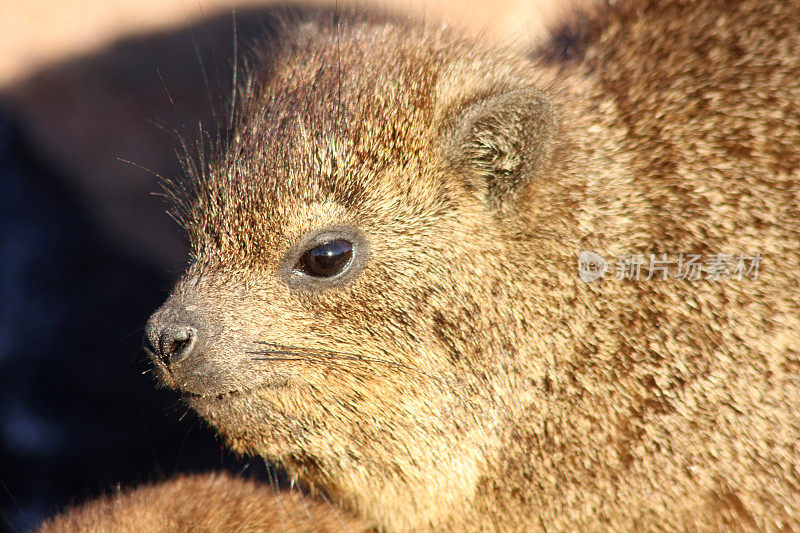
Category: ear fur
<point>500,142</point>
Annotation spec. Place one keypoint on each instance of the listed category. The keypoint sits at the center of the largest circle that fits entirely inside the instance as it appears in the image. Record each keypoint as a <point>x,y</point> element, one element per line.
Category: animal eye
<point>326,260</point>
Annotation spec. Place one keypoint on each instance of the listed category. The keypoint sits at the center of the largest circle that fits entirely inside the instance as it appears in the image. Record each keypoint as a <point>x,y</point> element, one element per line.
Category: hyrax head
<point>351,294</point>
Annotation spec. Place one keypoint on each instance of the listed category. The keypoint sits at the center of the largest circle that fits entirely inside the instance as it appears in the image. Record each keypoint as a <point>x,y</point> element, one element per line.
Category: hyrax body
<point>384,295</point>
<point>203,503</point>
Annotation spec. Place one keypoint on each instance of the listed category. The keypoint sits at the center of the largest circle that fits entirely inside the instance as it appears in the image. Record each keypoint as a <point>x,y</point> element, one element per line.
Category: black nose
<point>169,342</point>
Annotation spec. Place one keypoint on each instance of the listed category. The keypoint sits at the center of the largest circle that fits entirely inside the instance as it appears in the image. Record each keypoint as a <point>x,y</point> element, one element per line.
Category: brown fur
<point>202,503</point>
<point>466,378</point>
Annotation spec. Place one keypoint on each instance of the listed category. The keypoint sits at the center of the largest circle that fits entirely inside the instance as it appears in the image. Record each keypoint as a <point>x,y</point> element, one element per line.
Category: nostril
<point>175,343</point>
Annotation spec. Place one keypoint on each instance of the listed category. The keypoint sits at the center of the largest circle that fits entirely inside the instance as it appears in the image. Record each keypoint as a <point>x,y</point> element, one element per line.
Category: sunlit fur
<point>202,503</point>
<point>467,378</point>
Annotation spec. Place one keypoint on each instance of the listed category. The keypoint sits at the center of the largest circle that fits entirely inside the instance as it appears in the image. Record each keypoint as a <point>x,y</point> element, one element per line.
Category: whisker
<point>232,111</point>
<point>295,353</point>
<point>141,167</point>
<point>273,480</point>
<point>333,508</point>
<point>16,504</point>
<point>181,449</point>
<point>281,352</point>
<point>307,511</point>
<point>202,65</point>
<point>346,365</point>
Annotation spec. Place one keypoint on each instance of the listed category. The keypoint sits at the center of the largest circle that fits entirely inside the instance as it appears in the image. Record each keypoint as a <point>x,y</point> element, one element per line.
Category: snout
<point>199,347</point>
<point>170,342</point>
<point>172,336</point>
<point>177,342</point>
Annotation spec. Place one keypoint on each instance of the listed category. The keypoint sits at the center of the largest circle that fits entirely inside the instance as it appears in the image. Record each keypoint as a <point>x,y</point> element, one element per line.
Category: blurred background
<point>86,250</point>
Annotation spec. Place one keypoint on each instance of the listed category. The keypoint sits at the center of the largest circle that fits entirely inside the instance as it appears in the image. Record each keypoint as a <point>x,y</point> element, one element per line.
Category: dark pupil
<point>326,260</point>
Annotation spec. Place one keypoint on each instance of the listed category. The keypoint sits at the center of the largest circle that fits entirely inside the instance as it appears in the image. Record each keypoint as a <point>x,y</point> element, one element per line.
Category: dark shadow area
<point>89,113</point>
<point>86,254</point>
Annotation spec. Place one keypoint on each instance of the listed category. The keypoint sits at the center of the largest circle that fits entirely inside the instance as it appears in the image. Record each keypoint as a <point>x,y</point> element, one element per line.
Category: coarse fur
<point>464,377</point>
<point>202,503</point>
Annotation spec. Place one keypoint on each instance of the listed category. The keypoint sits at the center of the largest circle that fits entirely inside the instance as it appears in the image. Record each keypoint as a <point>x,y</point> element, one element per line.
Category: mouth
<point>212,396</point>
<point>275,384</point>
<point>167,379</point>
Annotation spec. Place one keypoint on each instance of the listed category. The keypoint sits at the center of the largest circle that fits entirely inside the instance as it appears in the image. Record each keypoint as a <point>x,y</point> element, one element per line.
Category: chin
<point>252,424</point>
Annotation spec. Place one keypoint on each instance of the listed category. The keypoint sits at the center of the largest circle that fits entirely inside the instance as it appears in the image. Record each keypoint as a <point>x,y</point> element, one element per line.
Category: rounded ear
<point>500,142</point>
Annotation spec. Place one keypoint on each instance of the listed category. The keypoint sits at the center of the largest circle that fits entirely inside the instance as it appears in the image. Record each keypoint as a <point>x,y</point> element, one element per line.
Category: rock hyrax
<point>384,296</point>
